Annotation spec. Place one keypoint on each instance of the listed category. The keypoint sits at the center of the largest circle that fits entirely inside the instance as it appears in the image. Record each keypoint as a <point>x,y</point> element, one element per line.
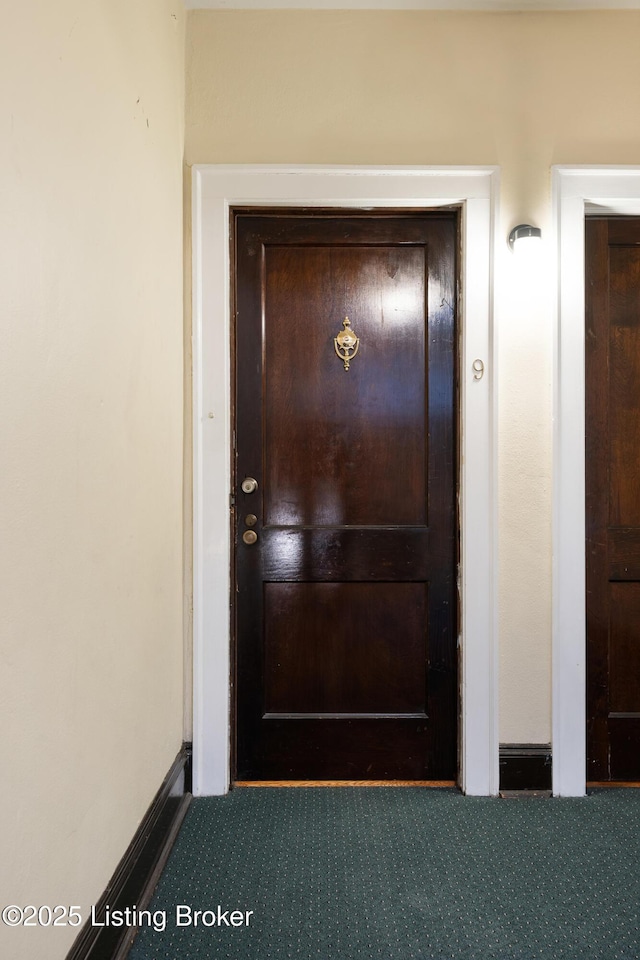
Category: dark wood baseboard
<point>137,874</point>
<point>525,766</point>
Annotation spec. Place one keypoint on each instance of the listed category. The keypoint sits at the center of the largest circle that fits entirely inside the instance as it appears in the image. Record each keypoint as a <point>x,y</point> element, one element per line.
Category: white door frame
<point>577,190</point>
<point>216,189</point>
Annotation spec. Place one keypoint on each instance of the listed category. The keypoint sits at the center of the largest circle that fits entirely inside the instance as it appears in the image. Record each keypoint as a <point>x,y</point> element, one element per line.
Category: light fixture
<point>524,231</point>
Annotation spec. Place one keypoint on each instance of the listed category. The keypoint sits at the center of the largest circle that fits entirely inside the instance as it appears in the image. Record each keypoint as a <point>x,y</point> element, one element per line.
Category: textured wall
<point>520,90</point>
<point>91,107</point>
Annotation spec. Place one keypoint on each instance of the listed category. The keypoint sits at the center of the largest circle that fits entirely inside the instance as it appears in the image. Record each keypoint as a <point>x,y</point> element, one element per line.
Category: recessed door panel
<point>360,435</point>
<point>345,659</point>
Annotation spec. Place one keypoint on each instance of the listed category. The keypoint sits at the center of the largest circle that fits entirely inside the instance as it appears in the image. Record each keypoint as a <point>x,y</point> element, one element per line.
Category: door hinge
<point>232,500</point>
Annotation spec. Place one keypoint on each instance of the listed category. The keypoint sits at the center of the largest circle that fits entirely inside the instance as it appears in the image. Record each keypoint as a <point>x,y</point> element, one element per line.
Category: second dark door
<point>612,371</point>
<point>346,613</point>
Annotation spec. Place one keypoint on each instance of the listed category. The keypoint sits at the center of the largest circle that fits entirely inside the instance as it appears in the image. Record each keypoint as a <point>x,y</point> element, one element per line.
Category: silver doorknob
<point>249,485</point>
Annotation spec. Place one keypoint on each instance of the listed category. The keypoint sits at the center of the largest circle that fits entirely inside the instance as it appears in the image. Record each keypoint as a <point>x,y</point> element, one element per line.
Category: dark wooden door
<point>346,602</point>
<point>613,497</point>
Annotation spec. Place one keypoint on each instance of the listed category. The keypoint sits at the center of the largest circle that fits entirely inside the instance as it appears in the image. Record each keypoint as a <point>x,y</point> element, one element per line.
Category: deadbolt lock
<point>251,519</point>
<point>249,485</point>
<point>249,537</point>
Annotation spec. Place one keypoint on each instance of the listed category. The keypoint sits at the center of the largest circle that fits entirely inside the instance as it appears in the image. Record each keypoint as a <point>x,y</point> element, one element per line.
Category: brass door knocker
<point>346,343</point>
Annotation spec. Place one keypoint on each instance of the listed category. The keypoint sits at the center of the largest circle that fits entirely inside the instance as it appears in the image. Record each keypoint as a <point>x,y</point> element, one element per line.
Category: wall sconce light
<point>524,231</point>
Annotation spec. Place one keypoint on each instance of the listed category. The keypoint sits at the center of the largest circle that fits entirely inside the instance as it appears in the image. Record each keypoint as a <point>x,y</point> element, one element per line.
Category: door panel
<point>364,281</point>
<point>612,367</point>
<point>314,665</point>
<point>346,603</point>
<point>624,664</point>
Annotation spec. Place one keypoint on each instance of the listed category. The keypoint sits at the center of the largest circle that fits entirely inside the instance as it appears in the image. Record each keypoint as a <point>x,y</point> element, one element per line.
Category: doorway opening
<point>578,191</point>
<point>216,191</point>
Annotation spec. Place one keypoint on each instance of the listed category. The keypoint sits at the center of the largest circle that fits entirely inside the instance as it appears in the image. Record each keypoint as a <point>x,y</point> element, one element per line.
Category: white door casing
<point>216,189</point>
<point>577,190</point>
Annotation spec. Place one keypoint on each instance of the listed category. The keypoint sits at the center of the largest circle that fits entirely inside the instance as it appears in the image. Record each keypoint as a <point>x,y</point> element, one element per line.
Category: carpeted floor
<point>402,874</point>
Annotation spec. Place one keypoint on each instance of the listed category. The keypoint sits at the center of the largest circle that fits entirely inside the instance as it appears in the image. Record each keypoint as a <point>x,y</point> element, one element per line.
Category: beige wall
<point>523,91</point>
<point>91,106</point>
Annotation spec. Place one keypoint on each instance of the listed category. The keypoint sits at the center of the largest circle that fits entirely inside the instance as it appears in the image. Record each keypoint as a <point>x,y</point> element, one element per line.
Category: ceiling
<point>496,5</point>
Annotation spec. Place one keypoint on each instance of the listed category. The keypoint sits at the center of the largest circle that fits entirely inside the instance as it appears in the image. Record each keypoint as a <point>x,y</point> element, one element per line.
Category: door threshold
<point>591,784</point>
<point>344,783</point>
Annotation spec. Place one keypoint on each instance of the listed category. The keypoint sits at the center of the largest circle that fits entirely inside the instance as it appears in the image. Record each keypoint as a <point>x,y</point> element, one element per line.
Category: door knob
<point>249,537</point>
<point>249,485</point>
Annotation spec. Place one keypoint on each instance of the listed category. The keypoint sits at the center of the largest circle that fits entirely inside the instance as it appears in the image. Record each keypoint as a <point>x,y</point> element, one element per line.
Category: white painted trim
<point>535,6</point>
<point>575,190</point>
<point>215,190</point>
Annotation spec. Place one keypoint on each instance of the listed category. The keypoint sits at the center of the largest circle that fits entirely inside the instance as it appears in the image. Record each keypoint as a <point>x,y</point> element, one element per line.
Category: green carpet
<point>403,874</point>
